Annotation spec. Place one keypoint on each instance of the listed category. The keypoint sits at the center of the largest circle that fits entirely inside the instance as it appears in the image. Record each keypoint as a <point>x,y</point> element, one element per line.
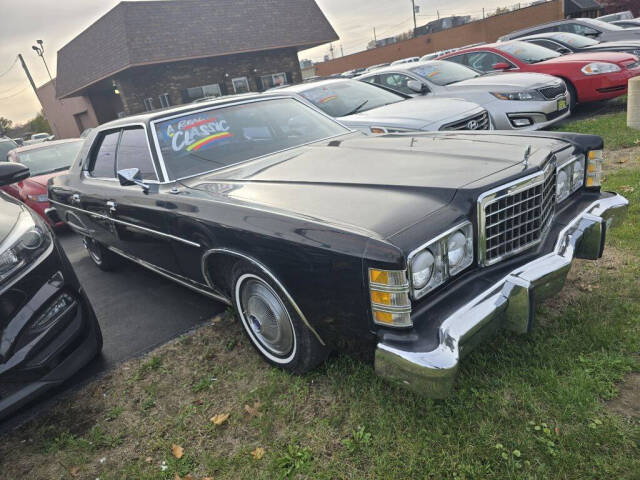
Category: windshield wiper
<point>357,109</point>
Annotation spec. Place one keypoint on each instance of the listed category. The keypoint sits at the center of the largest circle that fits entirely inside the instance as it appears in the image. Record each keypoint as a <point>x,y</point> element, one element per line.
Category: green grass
<point>525,407</point>
<point>612,127</point>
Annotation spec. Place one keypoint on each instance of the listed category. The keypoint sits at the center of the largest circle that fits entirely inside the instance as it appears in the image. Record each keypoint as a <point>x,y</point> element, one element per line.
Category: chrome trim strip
<point>266,271</point>
<point>144,229</point>
<point>171,276</point>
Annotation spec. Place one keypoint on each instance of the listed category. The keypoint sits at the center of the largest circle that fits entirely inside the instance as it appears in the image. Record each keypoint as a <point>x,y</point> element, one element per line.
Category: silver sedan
<point>515,101</point>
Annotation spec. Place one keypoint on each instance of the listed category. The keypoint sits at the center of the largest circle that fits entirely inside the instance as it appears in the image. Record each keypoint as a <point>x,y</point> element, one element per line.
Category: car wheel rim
<point>92,248</point>
<point>266,317</point>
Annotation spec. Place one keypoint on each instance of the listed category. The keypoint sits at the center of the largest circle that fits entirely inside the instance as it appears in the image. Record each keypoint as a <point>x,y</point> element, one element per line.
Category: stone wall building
<point>143,56</point>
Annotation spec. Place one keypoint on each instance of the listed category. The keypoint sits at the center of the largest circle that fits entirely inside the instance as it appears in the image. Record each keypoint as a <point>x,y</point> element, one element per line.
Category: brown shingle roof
<point>137,33</point>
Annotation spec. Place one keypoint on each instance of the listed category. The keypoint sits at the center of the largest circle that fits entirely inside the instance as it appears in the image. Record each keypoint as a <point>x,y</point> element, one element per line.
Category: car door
<point>140,219</point>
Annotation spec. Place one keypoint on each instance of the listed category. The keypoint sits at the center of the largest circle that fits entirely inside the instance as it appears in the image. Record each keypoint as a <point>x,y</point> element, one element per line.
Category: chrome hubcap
<point>267,317</point>
<point>89,244</point>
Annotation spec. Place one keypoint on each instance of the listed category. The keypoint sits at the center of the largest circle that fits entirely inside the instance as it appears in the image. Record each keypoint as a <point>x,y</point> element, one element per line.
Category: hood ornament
<point>527,154</point>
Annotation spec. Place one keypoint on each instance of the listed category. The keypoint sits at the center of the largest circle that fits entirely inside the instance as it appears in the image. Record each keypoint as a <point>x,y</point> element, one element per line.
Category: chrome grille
<point>516,217</point>
<point>477,122</point>
<point>554,91</point>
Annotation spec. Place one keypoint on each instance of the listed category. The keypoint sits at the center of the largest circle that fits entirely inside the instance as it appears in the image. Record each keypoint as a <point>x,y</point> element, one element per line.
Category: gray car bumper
<point>509,304</point>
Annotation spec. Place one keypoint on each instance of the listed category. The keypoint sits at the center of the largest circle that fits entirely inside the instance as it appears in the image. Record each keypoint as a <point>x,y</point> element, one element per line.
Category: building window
<point>148,104</point>
<point>164,100</point>
<point>240,84</point>
<point>212,90</point>
<point>274,80</point>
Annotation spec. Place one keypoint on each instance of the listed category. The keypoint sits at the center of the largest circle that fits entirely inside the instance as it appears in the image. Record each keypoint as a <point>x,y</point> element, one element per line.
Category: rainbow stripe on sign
<point>206,141</point>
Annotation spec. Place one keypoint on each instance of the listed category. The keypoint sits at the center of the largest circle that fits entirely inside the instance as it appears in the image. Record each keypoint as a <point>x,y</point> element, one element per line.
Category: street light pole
<point>415,25</point>
<point>40,51</point>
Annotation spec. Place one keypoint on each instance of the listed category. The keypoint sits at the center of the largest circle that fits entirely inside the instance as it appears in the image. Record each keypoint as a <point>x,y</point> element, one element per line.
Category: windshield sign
<point>196,143</point>
<point>444,73</point>
<point>574,40</point>
<point>50,159</point>
<point>340,99</point>
<point>527,52</point>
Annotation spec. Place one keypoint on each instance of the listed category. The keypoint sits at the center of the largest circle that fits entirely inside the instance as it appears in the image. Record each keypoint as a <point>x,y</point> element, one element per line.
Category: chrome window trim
<point>154,135</point>
<point>507,189</point>
<point>121,222</point>
<point>85,169</point>
<point>266,271</point>
<point>414,252</point>
<point>171,276</point>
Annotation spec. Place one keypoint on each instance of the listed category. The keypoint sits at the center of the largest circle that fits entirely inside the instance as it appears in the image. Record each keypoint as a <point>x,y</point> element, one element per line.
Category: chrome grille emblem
<point>472,124</point>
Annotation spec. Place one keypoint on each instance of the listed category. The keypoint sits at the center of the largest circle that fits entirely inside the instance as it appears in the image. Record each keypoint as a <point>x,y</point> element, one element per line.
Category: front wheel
<point>272,324</point>
<point>573,96</point>
<point>103,258</point>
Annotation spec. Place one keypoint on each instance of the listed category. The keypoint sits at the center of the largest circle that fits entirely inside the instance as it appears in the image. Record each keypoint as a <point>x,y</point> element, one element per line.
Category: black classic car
<point>323,238</point>
<point>48,330</point>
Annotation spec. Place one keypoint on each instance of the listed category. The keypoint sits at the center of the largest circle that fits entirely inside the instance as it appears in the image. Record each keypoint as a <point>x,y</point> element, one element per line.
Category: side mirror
<point>417,86</point>
<point>501,66</point>
<point>12,173</point>
<point>132,176</point>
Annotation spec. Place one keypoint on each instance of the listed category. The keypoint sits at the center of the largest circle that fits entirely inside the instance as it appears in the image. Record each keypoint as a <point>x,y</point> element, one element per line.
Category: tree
<point>40,124</point>
<point>5,125</point>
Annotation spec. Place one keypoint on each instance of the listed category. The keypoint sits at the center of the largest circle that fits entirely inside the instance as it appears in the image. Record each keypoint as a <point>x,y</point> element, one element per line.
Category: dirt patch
<point>622,158</point>
<point>627,403</point>
<point>585,277</point>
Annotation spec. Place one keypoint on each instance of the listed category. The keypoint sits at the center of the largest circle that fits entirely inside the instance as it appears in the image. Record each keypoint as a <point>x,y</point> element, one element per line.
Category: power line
<point>15,94</point>
<point>9,89</point>
<point>10,68</point>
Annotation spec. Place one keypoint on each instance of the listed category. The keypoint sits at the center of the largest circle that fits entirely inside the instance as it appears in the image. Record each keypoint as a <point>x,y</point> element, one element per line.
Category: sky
<point>56,22</point>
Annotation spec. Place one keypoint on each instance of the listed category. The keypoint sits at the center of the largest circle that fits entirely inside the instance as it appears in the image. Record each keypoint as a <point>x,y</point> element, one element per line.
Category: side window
<point>371,79</point>
<point>545,43</point>
<point>104,158</point>
<point>584,30</point>
<point>461,59</point>
<point>396,81</point>
<point>484,61</point>
<point>133,152</point>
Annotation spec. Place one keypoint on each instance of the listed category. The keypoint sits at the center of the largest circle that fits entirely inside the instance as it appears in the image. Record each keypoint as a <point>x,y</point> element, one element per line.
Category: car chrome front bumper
<point>509,303</point>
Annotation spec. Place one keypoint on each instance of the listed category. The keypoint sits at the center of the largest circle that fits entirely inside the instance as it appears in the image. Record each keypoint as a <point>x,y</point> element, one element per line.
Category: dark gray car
<point>587,27</point>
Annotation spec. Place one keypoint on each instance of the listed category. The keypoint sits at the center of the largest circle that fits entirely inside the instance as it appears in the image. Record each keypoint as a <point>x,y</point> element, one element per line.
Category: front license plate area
<point>562,103</point>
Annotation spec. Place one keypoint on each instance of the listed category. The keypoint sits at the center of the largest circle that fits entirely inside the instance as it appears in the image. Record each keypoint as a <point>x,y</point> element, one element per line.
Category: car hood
<point>504,81</point>
<point>417,113</point>
<point>10,210</point>
<point>43,180</point>
<point>378,185</point>
<point>611,57</point>
<point>619,44</point>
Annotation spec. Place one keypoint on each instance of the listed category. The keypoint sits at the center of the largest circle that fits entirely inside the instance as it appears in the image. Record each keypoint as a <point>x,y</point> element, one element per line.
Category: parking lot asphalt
<point>138,310</point>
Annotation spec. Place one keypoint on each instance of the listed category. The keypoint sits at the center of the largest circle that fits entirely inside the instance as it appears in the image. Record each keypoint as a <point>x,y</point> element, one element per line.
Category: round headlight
<point>422,269</point>
<point>32,239</point>
<point>562,186</point>
<point>456,245</point>
<point>578,174</point>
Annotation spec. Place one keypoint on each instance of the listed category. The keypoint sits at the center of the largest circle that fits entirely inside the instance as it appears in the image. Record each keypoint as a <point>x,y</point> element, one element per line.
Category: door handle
<point>112,206</point>
<point>75,198</point>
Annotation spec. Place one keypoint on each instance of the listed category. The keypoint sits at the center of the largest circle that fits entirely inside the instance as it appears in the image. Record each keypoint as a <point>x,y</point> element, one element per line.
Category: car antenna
<point>527,154</point>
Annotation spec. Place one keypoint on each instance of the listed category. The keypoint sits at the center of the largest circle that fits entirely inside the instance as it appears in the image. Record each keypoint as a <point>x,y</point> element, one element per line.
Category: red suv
<point>589,76</point>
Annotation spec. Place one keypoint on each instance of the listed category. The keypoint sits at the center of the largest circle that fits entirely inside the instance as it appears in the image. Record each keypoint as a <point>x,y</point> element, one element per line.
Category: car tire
<point>573,96</point>
<point>272,324</point>
<point>102,257</point>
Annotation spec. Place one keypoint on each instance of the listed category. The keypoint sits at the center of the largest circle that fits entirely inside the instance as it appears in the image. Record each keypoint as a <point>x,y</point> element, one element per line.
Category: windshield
<point>5,147</point>
<point>340,99</point>
<point>51,158</point>
<point>444,73</point>
<point>196,143</point>
<point>599,24</point>
<point>574,40</point>
<point>527,52</point>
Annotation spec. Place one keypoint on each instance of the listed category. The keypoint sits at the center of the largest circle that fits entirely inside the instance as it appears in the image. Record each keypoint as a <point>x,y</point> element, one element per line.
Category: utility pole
<point>331,50</point>
<point>341,51</point>
<point>483,13</point>
<point>415,25</point>
<point>438,14</point>
<point>375,40</point>
<point>26,70</point>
